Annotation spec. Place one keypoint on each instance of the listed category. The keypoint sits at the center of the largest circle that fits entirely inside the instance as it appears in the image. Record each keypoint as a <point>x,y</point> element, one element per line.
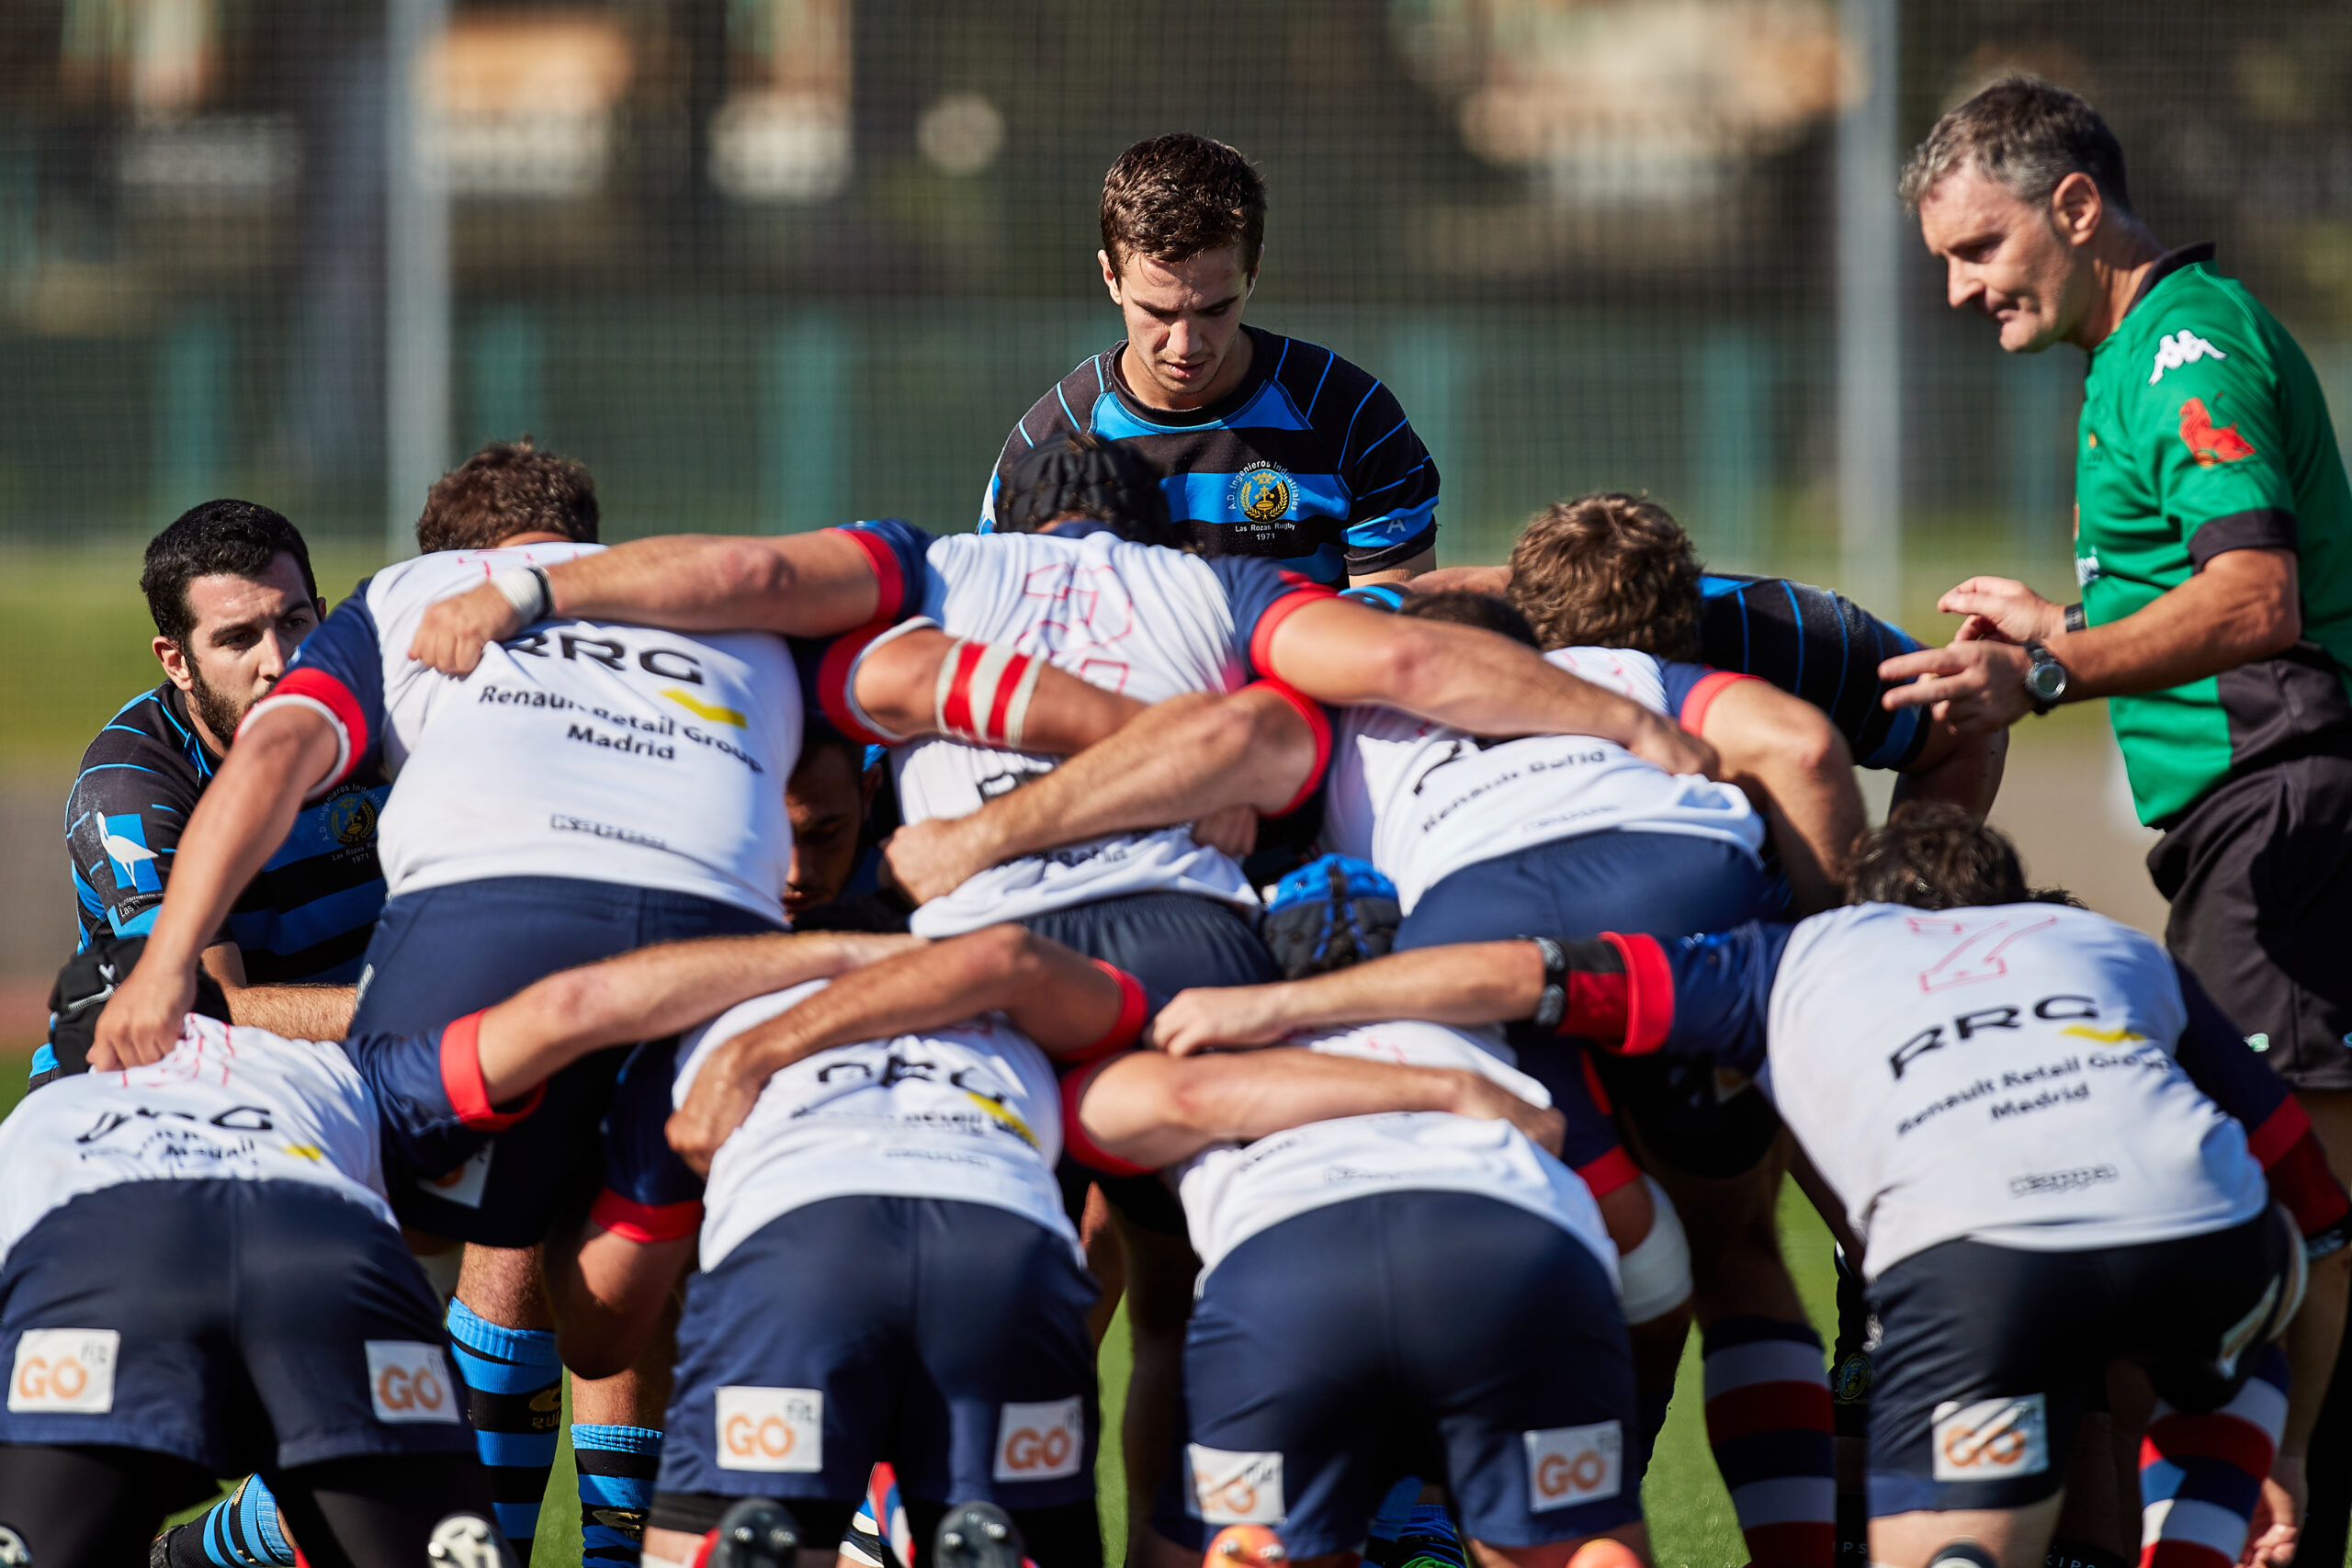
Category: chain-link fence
<point>769,263</point>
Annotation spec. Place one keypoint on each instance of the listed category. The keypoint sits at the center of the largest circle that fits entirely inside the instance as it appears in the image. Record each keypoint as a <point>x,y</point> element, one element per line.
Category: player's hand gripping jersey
<point>1147,622</point>
<point>233,1103</point>
<point>969,1112</point>
<point>1232,1191</point>
<point>1421,800</point>
<point>2030,1076</point>
<point>606,752</point>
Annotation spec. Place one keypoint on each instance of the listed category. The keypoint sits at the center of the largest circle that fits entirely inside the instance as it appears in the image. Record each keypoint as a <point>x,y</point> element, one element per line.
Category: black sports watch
<point>1552,1005</point>
<point>2045,678</point>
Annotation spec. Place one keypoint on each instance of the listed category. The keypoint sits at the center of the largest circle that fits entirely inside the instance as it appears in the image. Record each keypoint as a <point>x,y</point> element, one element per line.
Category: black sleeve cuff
<point>1362,563</point>
<point>2269,528</point>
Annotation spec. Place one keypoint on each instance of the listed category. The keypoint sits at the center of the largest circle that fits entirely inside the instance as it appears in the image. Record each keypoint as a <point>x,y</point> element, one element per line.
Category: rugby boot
<point>757,1532</point>
<point>1245,1546</point>
<point>979,1535</point>
<point>468,1540</point>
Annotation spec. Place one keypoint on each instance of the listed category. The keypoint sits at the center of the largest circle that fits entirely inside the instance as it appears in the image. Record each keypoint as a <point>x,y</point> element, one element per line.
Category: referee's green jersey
<point>2203,430</point>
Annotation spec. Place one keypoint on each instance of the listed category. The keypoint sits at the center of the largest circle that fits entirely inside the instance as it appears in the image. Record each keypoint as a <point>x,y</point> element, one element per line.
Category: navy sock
<point>616,1465</point>
<point>514,1398</point>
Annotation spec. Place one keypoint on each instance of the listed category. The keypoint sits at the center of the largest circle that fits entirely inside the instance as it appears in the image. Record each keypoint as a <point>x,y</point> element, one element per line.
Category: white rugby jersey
<point>2012,1074</point>
<point>1147,622</point>
<point>1422,800</point>
<point>235,1103</point>
<point>971,1113</point>
<point>1234,1191</point>
<point>610,753</point>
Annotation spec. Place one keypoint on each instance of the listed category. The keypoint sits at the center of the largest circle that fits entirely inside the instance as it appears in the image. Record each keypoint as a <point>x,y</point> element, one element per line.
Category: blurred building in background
<point>764,263</point>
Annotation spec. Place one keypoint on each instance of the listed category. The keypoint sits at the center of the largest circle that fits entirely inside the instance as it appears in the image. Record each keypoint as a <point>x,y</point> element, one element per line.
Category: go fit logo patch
<point>1041,1442</point>
<point>1566,1465</point>
<point>779,1430</point>
<point>64,1371</point>
<point>408,1380</point>
<point>1232,1486</point>
<point>1992,1440</point>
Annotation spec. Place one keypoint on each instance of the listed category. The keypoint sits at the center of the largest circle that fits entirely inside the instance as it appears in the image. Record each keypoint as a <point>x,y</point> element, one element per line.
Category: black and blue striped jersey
<point>1811,642</point>
<point>1817,645</point>
<point>306,917</point>
<point>1310,461</point>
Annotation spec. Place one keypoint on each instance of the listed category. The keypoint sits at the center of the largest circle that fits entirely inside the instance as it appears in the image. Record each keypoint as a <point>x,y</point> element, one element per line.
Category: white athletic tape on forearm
<point>525,588</point>
<point>973,677</point>
<point>1656,1274</point>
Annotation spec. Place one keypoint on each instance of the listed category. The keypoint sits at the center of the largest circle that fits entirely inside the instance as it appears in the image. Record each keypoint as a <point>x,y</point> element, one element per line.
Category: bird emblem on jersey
<point>2210,445</point>
<point>1263,492</point>
<point>134,862</point>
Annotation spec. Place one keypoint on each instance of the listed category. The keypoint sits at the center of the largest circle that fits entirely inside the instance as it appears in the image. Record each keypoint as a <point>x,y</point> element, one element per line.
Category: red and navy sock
<point>2200,1476</point>
<point>1768,1422</point>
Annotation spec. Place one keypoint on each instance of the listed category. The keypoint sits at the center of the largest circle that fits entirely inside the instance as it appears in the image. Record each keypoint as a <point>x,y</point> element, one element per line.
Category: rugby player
<point>2212,525</point>
<point>230,589</point>
<point>1266,446</point>
<point>1557,837</point>
<point>888,1271</point>
<point>597,789</point>
<point>1932,1046</point>
<point>1125,615</point>
<point>1572,557</point>
<point>186,1286</point>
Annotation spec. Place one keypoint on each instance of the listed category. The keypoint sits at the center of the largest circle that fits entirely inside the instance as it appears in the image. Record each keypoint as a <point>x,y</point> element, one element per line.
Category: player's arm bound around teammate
<point>1142,1110</point>
<point>1072,1007</point>
<point>654,992</point>
<point>1258,750</point>
<point>887,686</point>
<point>1468,985</point>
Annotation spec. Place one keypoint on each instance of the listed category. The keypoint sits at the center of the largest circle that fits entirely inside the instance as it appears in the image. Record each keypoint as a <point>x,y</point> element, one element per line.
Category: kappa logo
<point>1574,1464</point>
<point>1992,1440</point>
<point>65,1372</point>
<point>779,1430</point>
<point>408,1380</point>
<point>1041,1442</point>
<point>2183,347</point>
<point>1234,1487</point>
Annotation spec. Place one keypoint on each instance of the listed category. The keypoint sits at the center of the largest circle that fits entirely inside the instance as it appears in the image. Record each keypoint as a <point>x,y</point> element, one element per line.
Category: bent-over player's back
<point>612,753</point>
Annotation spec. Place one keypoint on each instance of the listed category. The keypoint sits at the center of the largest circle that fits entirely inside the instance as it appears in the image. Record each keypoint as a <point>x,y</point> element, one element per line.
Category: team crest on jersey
<point>1263,492</point>
<point>352,819</point>
<point>2211,445</point>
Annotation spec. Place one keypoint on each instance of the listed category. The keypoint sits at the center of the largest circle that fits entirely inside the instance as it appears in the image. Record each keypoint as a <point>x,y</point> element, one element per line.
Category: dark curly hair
<point>1172,198</point>
<point>1609,571</point>
<point>508,488</point>
<point>1934,855</point>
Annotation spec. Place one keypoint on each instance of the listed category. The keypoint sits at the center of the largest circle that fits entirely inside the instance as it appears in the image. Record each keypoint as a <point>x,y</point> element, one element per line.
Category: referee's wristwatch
<point>2045,678</point>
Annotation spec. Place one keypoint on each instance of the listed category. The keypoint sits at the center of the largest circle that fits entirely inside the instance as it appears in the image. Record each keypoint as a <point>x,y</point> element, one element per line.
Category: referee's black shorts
<point>2259,875</point>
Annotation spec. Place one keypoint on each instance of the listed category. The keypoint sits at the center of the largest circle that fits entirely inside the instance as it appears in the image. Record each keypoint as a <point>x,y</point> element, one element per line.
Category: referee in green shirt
<point>2213,546</point>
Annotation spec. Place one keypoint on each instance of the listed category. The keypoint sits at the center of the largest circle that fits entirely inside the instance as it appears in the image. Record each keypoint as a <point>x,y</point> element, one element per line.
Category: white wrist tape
<point>528,589</point>
<point>1656,1274</point>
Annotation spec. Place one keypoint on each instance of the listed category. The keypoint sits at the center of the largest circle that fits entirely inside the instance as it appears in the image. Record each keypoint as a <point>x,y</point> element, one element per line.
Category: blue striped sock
<point>616,1465</point>
<point>514,1398</point>
<point>240,1531</point>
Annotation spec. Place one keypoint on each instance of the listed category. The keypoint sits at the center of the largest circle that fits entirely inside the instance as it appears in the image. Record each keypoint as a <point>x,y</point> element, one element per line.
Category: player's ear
<point>1110,276</point>
<point>2076,207</point>
<point>175,662</point>
<point>1249,283</point>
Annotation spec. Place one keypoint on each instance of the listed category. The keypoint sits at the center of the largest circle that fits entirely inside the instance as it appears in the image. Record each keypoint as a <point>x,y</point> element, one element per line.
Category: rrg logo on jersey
<point>65,1372</point>
<point>1232,1487</point>
<point>780,1430</point>
<point>1041,1442</point>
<point>1992,1440</point>
<point>1567,1465</point>
<point>1262,492</point>
<point>410,1381</point>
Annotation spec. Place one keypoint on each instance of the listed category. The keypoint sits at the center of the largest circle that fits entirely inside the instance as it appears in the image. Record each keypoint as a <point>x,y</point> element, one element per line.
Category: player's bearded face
<point>246,631</point>
<point>2003,256</point>
<point>1183,318</point>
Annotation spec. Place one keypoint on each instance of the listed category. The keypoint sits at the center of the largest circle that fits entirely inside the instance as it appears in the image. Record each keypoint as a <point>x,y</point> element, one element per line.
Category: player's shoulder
<point>1065,407</point>
<point>150,734</point>
<point>2193,323</point>
<point>1326,388</point>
